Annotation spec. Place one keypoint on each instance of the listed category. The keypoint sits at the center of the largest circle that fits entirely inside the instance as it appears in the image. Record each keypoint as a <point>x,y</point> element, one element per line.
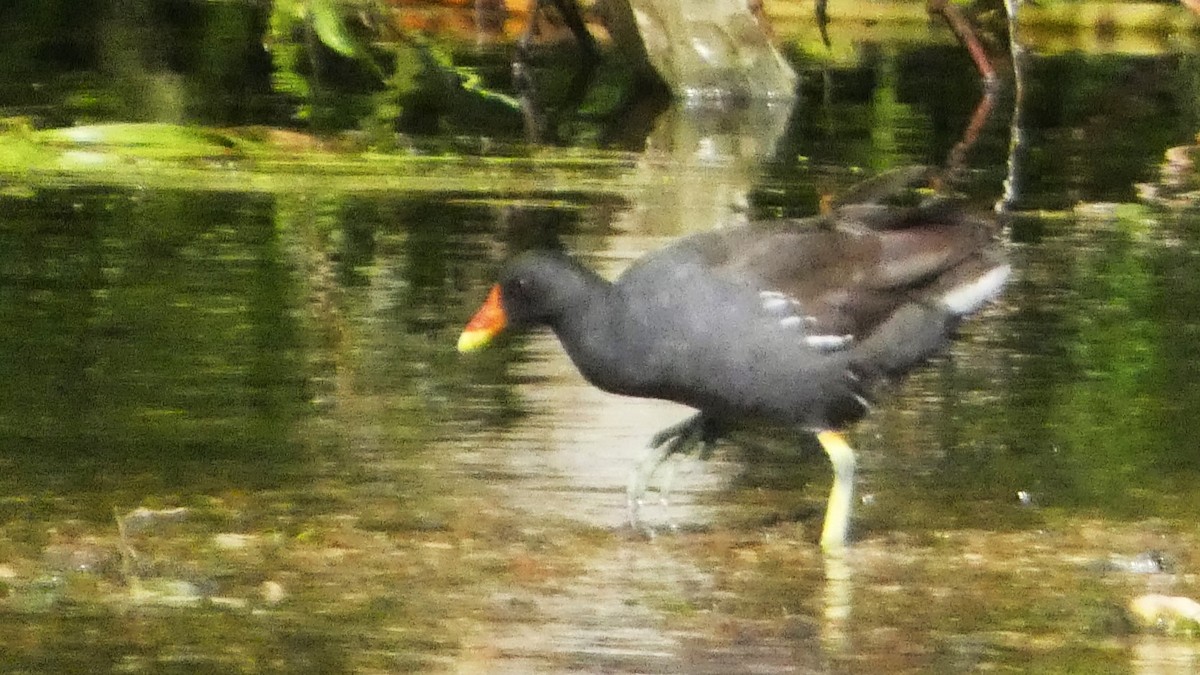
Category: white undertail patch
<point>971,296</point>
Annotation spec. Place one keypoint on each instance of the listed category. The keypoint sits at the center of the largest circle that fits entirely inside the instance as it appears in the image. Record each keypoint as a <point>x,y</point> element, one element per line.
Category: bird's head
<point>536,288</point>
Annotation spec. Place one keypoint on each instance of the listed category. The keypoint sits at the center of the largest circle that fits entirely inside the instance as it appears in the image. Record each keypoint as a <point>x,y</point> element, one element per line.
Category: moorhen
<point>784,321</point>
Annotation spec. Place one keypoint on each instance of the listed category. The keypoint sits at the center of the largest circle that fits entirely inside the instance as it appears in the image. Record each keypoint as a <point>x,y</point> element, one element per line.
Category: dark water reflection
<point>143,346</point>
<point>360,498</point>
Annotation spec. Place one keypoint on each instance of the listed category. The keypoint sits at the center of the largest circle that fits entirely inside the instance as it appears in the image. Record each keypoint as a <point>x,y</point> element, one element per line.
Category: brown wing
<point>845,274</point>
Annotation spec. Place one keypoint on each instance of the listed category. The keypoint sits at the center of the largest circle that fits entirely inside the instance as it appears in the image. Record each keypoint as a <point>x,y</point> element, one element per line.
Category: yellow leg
<point>841,495</point>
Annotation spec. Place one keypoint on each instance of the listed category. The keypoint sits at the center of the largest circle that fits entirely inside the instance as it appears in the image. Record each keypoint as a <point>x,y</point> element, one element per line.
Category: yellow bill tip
<point>485,325</point>
<point>473,340</point>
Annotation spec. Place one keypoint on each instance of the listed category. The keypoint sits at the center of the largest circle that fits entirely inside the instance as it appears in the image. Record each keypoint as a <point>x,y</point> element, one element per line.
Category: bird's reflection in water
<point>838,603</point>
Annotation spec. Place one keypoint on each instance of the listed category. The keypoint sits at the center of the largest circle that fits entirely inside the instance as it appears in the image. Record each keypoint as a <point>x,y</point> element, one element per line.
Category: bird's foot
<point>669,443</point>
<point>639,481</point>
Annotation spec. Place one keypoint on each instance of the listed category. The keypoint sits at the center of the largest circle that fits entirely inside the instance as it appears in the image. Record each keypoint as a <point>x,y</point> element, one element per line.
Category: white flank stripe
<point>829,342</point>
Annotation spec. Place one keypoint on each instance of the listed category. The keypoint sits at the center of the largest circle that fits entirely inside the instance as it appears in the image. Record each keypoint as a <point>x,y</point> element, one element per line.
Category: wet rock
<point>42,594</point>
<point>1147,562</point>
<point>165,593</point>
<point>142,518</point>
<point>231,541</point>
<point>84,555</point>
<point>1171,614</point>
<point>272,592</point>
<point>703,51</point>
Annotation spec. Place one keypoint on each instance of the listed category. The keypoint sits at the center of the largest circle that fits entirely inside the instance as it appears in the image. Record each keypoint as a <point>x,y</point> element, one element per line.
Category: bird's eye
<point>521,287</point>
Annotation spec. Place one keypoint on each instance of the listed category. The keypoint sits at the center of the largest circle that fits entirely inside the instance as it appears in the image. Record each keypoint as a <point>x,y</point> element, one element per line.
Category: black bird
<point>783,321</point>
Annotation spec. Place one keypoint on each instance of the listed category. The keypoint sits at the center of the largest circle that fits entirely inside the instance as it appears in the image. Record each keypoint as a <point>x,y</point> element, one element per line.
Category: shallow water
<point>326,486</point>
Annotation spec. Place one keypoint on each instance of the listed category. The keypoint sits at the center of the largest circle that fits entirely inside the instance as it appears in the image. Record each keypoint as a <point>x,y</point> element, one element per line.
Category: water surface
<point>324,485</point>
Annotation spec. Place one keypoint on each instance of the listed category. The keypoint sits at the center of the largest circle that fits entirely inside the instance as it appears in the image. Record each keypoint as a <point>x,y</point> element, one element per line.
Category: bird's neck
<point>595,334</point>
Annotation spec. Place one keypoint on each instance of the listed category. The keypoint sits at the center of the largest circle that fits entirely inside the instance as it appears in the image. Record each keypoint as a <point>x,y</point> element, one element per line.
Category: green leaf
<point>330,27</point>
